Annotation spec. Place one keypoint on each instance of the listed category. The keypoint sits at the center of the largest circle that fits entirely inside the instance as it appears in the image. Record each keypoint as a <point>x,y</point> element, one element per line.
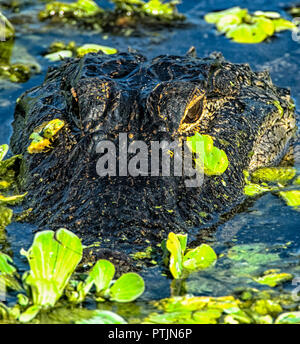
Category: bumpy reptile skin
<point>100,96</point>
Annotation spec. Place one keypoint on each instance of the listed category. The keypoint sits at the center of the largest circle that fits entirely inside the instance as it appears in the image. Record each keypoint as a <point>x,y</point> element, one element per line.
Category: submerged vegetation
<point>236,23</point>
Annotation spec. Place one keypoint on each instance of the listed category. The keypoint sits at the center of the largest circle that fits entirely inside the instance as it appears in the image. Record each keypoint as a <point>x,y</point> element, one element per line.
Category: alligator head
<point>168,98</point>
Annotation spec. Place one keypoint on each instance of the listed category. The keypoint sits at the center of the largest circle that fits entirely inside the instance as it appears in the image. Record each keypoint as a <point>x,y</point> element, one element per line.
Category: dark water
<point>267,224</point>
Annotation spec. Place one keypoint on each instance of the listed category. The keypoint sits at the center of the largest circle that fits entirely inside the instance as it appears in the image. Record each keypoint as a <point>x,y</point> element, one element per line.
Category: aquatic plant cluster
<point>236,23</point>
<point>126,14</point>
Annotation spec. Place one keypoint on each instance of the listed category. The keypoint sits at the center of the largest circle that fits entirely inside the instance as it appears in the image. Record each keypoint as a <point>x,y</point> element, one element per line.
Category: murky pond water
<point>267,223</point>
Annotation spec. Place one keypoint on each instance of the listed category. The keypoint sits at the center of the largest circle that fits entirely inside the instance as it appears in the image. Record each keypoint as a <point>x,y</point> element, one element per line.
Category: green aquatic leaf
<point>266,25</point>
<point>247,33</point>
<point>127,288</point>
<point>101,275</point>
<point>288,318</point>
<point>14,199</point>
<point>3,151</point>
<point>198,142</point>
<point>283,24</point>
<point>274,174</point>
<point>94,48</point>
<point>213,160</point>
<point>216,162</point>
<point>266,307</point>
<point>79,9</point>
<point>214,17</point>
<point>8,273</point>
<point>183,241</point>
<point>30,313</point>
<point>52,257</point>
<point>292,198</point>
<point>241,27</point>
<point>6,266</point>
<point>59,55</point>
<point>252,189</point>
<point>6,215</point>
<point>200,257</point>
<point>227,22</point>
<point>273,279</point>
<point>193,303</point>
<point>174,246</point>
<point>267,14</point>
<point>158,8</point>
<point>103,317</point>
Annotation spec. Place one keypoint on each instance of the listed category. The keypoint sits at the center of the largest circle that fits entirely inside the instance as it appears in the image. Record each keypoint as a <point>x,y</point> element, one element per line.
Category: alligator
<point>167,98</point>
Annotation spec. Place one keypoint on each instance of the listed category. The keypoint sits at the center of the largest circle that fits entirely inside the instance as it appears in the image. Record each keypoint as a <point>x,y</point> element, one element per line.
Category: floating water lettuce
<point>79,9</point>
<point>3,151</point>
<point>280,175</point>
<point>121,292</point>
<point>6,266</point>
<point>253,189</point>
<point>288,318</point>
<point>126,288</point>
<point>160,9</point>
<point>182,260</point>
<point>192,309</point>
<point>11,200</point>
<point>211,159</point>
<point>274,174</point>
<point>59,55</point>
<point>8,273</point>
<point>236,23</point>
<point>53,258</point>
<point>292,198</point>
<point>44,135</point>
<point>259,307</point>
<point>60,50</point>
<point>94,48</point>
<point>126,14</point>
<point>198,258</point>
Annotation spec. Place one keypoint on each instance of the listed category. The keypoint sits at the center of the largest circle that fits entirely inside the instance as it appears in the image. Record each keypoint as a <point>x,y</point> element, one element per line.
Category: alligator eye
<point>194,108</point>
